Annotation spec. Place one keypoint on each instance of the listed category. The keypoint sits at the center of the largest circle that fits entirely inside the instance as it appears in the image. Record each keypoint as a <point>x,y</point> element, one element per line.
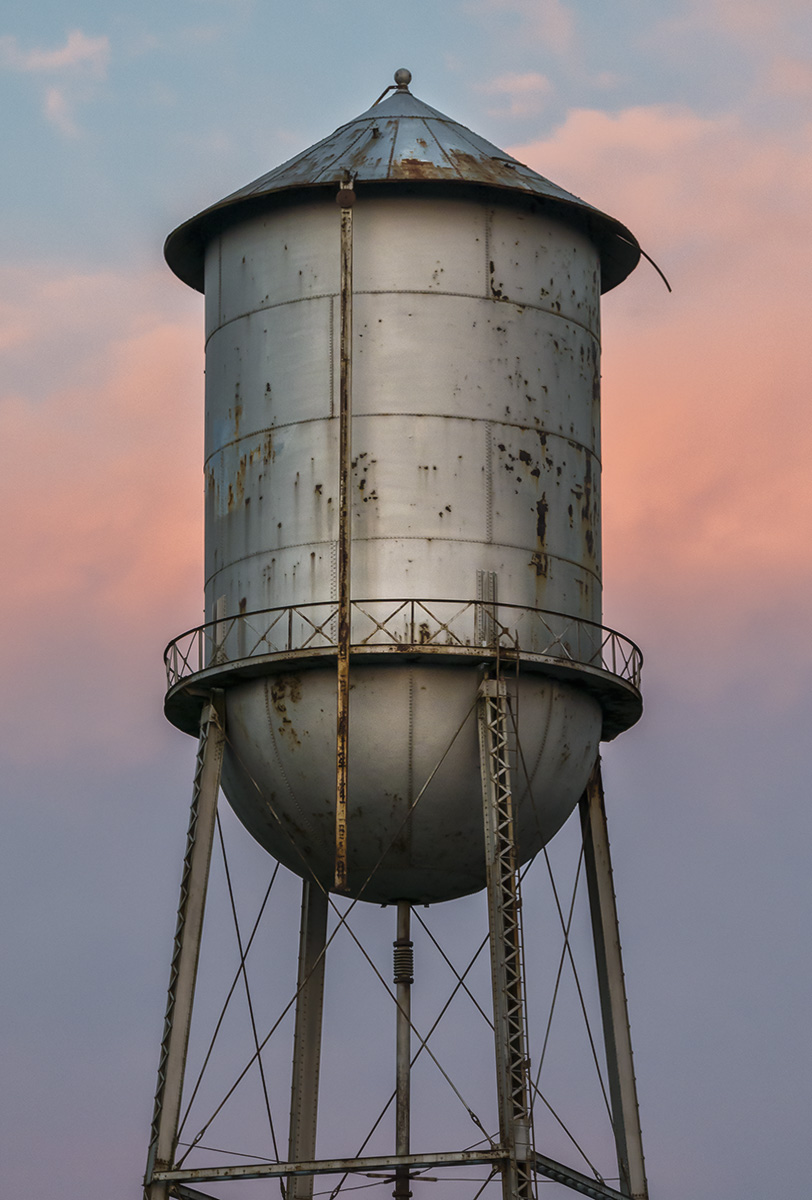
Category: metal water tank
<point>475,496</point>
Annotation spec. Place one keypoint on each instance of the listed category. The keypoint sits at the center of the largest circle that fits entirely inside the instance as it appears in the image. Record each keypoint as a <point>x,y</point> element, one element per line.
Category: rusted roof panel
<point>403,139</point>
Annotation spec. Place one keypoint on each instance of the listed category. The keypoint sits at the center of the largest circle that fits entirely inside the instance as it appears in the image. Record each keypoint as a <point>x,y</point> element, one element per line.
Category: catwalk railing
<point>453,626</point>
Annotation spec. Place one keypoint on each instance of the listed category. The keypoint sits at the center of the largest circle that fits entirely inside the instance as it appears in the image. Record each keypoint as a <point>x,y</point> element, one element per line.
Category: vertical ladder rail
<point>304,1097</point>
<point>186,949</point>
<point>612,991</point>
<point>504,916</point>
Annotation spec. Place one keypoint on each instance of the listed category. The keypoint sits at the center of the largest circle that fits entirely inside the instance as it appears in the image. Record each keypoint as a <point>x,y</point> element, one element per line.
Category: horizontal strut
<point>547,1167</point>
<point>551,1169</point>
<point>336,1166</point>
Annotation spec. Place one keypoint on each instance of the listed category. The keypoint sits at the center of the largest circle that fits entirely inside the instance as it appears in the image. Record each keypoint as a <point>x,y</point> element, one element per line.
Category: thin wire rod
<point>576,977</point>
<point>422,1040</point>
<point>453,969</point>
<point>250,1002</point>
<point>487,1138</point>
<point>263,1158</point>
<point>561,962</point>
<point>485,1184</point>
<point>342,917</point>
<point>225,1006</point>
<point>571,1137</point>
<point>567,945</point>
<point>356,1188</point>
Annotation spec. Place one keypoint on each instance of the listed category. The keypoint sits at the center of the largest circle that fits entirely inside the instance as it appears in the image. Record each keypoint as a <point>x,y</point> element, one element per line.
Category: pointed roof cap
<point>401,140</point>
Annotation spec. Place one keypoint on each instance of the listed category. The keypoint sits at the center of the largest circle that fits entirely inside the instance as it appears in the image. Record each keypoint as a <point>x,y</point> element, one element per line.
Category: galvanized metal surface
<point>612,989</point>
<point>304,1091</point>
<point>403,141</point>
<point>475,448</point>
<point>504,921</point>
<point>186,950</point>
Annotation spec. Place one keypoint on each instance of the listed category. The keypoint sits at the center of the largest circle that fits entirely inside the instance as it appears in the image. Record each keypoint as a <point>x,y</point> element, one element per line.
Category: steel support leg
<point>404,977</point>
<point>515,1126</point>
<point>186,951</point>
<point>304,1092</point>
<point>612,989</point>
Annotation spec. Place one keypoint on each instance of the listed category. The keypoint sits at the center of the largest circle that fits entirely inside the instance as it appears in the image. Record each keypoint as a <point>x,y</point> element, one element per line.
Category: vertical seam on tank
<point>332,356</point>
<point>334,587</point>
<point>487,239</point>
<point>410,778</point>
<point>220,314</point>
<point>488,482</point>
<point>542,744</point>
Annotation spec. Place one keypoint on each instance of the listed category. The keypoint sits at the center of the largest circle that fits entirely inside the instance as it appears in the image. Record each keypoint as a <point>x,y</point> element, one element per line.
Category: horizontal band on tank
<point>223,652</point>
<point>418,537</point>
<point>393,291</point>
<point>264,430</point>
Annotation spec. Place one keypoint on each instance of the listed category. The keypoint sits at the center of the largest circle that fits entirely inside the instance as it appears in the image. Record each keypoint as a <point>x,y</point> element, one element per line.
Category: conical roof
<point>401,140</point>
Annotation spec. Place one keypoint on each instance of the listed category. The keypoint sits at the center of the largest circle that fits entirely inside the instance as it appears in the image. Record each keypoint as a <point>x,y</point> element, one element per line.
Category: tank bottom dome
<point>279,773</point>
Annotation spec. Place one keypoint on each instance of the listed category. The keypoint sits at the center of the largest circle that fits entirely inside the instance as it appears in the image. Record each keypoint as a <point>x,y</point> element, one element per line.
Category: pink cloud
<point>790,76</point>
<point>707,426</point>
<point>102,511</point>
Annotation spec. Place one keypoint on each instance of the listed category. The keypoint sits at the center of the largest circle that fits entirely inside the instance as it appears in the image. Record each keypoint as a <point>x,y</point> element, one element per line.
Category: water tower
<point>403,583</point>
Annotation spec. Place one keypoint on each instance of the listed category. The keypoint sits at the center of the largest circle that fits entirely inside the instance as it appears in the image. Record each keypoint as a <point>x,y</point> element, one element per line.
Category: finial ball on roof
<point>403,77</point>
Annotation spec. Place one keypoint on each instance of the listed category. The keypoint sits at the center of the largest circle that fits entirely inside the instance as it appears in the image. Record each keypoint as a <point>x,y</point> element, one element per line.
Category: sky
<point>688,120</point>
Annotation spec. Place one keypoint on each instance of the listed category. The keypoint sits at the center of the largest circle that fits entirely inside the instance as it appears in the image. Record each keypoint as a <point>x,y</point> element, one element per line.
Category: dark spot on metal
<point>542,508</point>
<point>524,457</point>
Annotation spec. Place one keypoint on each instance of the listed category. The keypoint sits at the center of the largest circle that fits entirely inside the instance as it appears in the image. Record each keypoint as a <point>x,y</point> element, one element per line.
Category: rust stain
<point>284,690</point>
<point>540,562</point>
<point>236,491</point>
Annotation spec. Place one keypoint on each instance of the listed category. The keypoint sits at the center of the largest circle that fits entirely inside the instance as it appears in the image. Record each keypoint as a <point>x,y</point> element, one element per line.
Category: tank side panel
<point>475,447</point>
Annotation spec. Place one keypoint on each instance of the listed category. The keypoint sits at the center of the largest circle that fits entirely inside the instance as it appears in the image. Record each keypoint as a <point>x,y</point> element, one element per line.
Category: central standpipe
<point>404,978</point>
<point>346,199</point>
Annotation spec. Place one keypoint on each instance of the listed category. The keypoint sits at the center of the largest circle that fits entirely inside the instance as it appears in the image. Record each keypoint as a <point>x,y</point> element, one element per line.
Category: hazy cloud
<point>80,63</point>
<point>524,92</point>
<point>80,52</point>
<point>790,76</point>
<point>547,22</point>
<point>57,110</point>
